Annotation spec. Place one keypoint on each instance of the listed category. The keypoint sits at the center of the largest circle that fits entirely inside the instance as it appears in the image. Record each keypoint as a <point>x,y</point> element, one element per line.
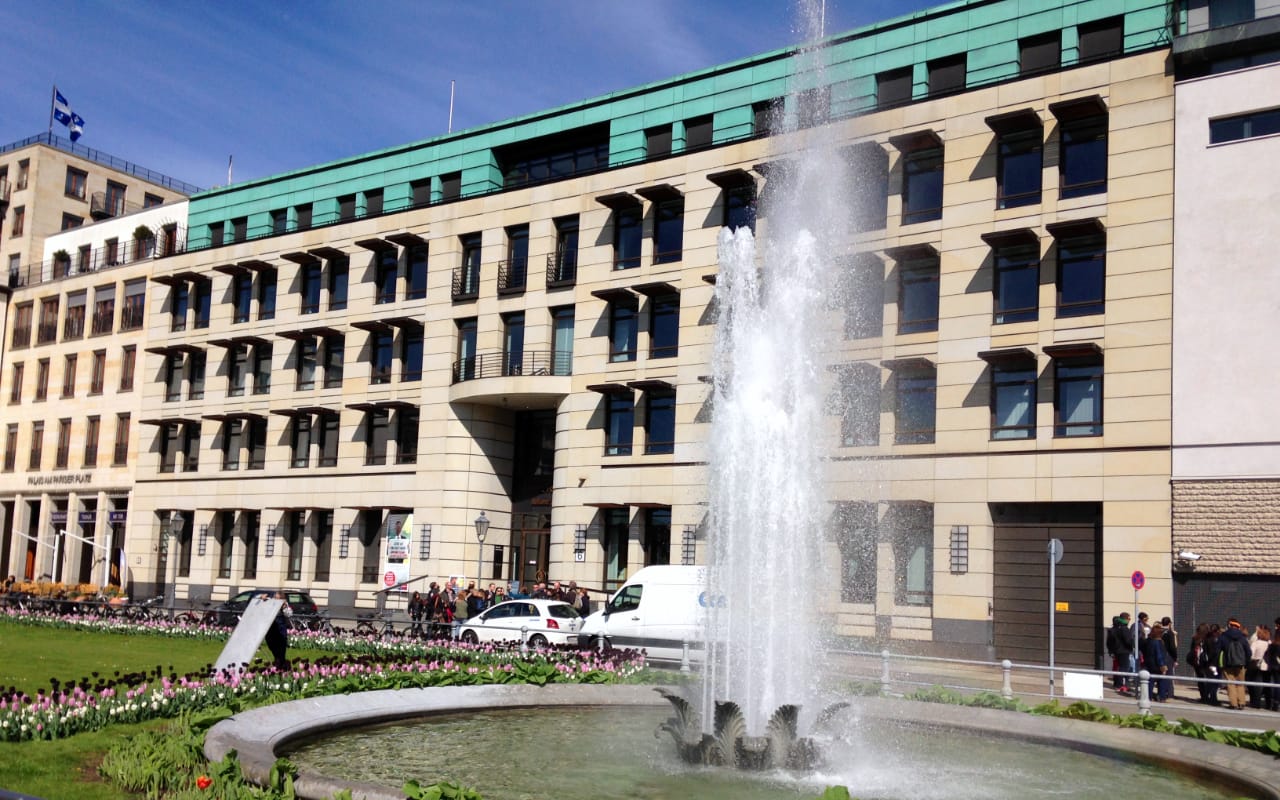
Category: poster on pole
<point>398,535</point>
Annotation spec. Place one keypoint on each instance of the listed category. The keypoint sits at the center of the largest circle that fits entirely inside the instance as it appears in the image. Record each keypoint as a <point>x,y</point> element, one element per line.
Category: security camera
<point>1187,555</point>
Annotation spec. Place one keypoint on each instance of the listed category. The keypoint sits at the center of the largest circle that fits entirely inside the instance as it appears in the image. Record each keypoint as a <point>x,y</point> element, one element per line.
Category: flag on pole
<point>62,113</point>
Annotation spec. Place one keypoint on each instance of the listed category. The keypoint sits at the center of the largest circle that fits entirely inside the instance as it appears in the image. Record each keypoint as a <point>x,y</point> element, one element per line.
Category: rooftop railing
<point>105,159</point>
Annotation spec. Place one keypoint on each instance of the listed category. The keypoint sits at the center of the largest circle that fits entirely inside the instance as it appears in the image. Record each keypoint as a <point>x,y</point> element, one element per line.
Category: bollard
<point>1144,692</point>
<point>600,644</point>
<point>884,671</point>
<point>1006,685</point>
<point>684,656</point>
<point>524,640</point>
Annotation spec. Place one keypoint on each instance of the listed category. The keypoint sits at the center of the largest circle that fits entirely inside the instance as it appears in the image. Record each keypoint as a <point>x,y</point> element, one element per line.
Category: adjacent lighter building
<point>1226,434</point>
<point>517,321</point>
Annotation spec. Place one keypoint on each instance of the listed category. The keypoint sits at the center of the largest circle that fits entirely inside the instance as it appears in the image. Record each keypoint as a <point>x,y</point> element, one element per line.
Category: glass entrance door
<point>531,536</point>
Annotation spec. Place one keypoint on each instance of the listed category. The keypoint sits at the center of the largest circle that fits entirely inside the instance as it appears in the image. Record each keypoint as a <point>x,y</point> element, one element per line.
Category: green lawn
<point>29,657</point>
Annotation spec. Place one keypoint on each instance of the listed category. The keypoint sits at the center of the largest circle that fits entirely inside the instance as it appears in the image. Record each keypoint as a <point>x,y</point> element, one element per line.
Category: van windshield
<point>627,599</point>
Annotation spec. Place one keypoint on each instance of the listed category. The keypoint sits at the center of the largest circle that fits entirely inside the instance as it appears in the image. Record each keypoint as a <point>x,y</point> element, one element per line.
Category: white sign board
<point>248,634</point>
<point>1082,685</point>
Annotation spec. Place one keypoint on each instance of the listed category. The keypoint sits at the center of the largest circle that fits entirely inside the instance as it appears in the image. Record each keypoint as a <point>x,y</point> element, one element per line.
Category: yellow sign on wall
<point>1061,606</point>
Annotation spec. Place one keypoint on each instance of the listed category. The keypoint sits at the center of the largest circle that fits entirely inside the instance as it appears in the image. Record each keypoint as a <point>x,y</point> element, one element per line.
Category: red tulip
<point>204,782</point>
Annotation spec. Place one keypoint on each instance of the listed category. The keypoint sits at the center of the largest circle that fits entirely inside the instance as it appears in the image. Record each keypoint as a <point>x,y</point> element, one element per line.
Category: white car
<point>545,621</point>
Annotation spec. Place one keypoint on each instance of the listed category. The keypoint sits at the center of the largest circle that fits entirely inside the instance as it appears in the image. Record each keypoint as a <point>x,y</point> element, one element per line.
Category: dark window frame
<point>1013,374</point>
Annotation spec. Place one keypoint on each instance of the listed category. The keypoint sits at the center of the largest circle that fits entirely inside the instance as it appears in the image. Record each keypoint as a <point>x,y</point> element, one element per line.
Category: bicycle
<point>318,622</point>
<point>208,617</point>
<point>367,626</point>
<point>148,609</point>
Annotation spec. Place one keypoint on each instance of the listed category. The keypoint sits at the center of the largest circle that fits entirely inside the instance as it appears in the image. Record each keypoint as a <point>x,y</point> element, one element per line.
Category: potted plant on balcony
<point>144,241</point>
<point>61,263</point>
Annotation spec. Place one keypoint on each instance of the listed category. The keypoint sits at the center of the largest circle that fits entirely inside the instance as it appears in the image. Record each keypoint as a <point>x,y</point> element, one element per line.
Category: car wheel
<point>470,637</point>
<point>537,641</point>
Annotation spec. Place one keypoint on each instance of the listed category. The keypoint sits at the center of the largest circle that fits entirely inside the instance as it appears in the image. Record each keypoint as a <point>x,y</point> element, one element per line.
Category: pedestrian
<point>1120,646</point>
<point>1233,659</point>
<point>460,614</point>
<point>417,607</point>
<point>277,638</point>
<point>1272,658</point>
<point>1196,660</point>
<point>1155,661</point>
<point>1170,643</point>
<point>1257,671</point>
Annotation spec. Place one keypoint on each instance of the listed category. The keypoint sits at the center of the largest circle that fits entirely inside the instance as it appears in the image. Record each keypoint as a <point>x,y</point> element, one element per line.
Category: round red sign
<point>389,579</point>
<point>1138,580</point>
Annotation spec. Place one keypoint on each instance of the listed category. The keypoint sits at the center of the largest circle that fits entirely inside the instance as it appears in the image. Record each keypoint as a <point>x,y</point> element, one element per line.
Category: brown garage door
<point>1021,597</point>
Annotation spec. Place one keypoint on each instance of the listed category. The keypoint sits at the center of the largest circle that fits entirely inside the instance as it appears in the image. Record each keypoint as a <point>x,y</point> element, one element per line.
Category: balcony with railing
<point>529,379</point>
<point>170,240</point>
<point>466,282</point>
<point>512,275</point>
<point>105,206</point>
<point>562,270</point>
<point>4,192</point>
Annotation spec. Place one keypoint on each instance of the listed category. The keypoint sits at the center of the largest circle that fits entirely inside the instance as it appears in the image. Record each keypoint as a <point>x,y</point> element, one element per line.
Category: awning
<point>327,253</point>
<point>911,252</point>
<point>618,200</point>
<point>162,421</point>
<point>1005,355</point>
<point>765,168</point>
<point>255,265</point>
<point>605,505</point>
<point>908,363</point>
<point>616,295</point>
<point>299,257</point>
<point>656,289</point>
<point>609,388</point>
<point>1071,229</point>
<point>308,333</point>
<point>376,245</point>
<point>405,322</point>
<point>234,415</point>
<point>1011,238</point>
<point>916,140</point>
<point>732,179</point>
<point>372,325</point>
<point>379,404</point>
<point>405,239</point>
<point>711,279</point>
<point>1073,350</point>
<point>231,269</point>
<point>659,193</point>
<point>652,385</point>
<point>1078,107</point>
<point>237,340</point>
<point>1020,120</point>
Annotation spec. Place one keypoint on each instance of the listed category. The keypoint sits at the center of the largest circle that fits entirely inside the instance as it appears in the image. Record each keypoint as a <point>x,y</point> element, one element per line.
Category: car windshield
<point>563,611</point>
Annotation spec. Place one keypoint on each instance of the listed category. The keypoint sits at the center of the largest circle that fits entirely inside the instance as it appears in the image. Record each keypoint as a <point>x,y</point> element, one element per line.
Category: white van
<point>658,609</point>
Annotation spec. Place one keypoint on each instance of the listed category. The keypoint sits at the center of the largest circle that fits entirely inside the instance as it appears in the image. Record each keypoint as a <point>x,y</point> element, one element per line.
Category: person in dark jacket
<point>1120,646</point>
<point>1234,649</point>
<point>1155,660</point>
<point>1170,644</point>
<point>277,638</point>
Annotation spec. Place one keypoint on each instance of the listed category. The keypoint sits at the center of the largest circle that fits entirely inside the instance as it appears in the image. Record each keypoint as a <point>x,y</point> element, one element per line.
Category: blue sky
<point>179,86</point>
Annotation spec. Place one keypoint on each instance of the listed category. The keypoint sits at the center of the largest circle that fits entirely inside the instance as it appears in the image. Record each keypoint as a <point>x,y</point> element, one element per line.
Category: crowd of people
<point>447,607</point>
<point>1219,656</point>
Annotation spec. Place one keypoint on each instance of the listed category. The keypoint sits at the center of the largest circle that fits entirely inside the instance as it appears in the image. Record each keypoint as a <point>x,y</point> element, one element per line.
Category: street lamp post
<point>482,530</point>
<point>172,527</point>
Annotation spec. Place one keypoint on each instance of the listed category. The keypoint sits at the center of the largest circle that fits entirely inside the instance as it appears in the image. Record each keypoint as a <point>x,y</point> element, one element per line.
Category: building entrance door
<point>531,538</point>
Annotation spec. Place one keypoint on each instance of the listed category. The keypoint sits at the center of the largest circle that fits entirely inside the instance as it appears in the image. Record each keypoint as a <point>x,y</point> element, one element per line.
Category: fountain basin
<point>260,735</point>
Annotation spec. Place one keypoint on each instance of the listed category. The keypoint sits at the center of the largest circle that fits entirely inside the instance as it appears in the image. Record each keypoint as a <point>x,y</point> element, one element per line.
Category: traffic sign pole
<point>1137,580</point>
<point>1055,555</point>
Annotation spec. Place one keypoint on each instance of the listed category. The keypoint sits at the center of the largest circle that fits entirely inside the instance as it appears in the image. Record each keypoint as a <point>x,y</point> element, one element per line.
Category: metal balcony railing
<point>512,275</point>
<point>103,207</point>
<point>170,240</point>
<point>562,269</point>
<point>497,364</point>
<point>4,192</point>
<point>466,282</point>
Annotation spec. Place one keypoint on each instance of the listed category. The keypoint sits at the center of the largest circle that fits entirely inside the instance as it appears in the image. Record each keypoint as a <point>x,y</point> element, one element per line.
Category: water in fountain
<point>771,427</point>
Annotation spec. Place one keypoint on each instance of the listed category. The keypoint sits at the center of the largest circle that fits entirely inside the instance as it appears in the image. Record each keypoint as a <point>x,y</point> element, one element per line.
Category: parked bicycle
<point>152,608</point>
<point>376,625</point>
<point>207,617</point>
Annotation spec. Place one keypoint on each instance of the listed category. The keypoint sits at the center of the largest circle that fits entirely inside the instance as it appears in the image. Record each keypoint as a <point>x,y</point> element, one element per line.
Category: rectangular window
<point>1230,12</point>
<point>1244,126</point>
<point>664,326</point>
<point>120,453</point>
<point>698,132</point>
<point>173,364</point>
<point>226,542</point>
<point>1017,283</point>
<point>262,354</point>
<point>1101,39</point>
<point>22,325</point>
<point>279,221</point>
<point>97,377</point>
<point>1082,165</point>
<point>857,537</point>
<point>339,275</point>
<point>416,278</point>
<point>252,536</point>
<point>48,329</point>
<point>334,354</point>
<point>1019,168</point>
<point>922,185</point>
<point>380,345</point>
<point>657,536</point>
<point>450,186</point>
<point>300,441</point>
<point>239,229</point>
<point>657,141</point>
<point>370,526</point>
<point>232,435</point>
<point>309,277</point>
<point>296,535</point>
<point>69,221</point>
<point>217,233</point>
<point>267,280</point>
<point>912,527</point>
<point>115,198</point>
<point>411,353</point>
<point>384,289</point>
<point>191,447</point>
<point>668,231</point>
<point>150,200</point>
<point>84,258</point>
<point>77,179</point>
<point>1037,54</point>
<point>813,107</point>
<point>623,328</point>
<point>324,545</point>
<point>169,440</point>
<point>465,369</point>
<point>92,431</point>
<point>36,457</point>
<point>616,543</point>
<point>179,305</point>
<point>918,294</point>
<point>1082,275</point>
<point>237,367</point>
<point>42,379</point>
<point>378,429</point>
<point>766,116</point>
<point>306,363</point>
<point>11,447</point>
<point>373,202</point>
<point>660,422</point>
<point>947,75</point>
<point>466,281</point>
<point>627,233</point>
<point>241,296</point>
<point>893,88</point>
<point>564,267</point>
<point>916,407</point>
<point>740,206</point>
<point>328,424</point>
<point>111,253</point>
<point>69,364</point>
<point>513,273</point>
<point>196,363</point>
<point>407,436</point>
<point>202,301</point>
<point>63,453</point>
<point>256,436</point>
<point>562,324</point>
<point>133,312</point>
<point>15,384</point>
<point>859,404</point>
<point>303,213</point>
<point>513,343</point>
<point>420,193</point>
<point>19,218</point>
<point>1077,397</point>
<point>619,423</point>
<point>1013,400</point>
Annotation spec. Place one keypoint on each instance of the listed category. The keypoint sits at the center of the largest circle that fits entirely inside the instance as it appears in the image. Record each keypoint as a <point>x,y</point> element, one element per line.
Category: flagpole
<point>450,109</point>
<point>53,98</point>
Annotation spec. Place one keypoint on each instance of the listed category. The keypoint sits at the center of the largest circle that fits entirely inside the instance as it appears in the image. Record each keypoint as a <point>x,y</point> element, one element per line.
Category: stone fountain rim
<point>258,734</point>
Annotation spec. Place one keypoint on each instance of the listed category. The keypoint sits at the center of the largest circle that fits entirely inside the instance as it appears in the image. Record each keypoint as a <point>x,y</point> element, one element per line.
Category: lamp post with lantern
<point>482,530</point>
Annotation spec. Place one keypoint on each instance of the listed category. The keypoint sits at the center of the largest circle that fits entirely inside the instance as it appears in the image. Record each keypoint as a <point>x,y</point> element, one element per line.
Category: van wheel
<point>470,637</point>
<point>537,641</point>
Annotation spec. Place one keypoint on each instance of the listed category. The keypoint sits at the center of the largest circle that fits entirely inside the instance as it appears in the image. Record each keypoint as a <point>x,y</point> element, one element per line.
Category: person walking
<point>1155,661</point>
<point>277,638</point>
<point>1120,646</point>
<point>1272,658</point>
<point>1170,643</point>
<point>1258,671</point>
<point>460,614</point>
<point>1233,659</point>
